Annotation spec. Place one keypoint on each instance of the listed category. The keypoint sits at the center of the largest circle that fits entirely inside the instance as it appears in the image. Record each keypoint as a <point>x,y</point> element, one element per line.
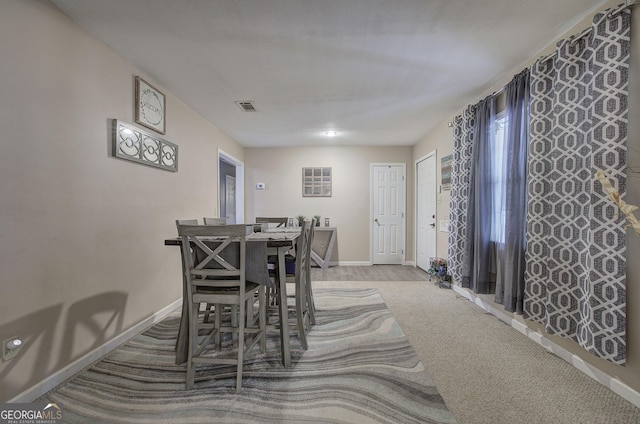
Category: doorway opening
<point>230,188</point>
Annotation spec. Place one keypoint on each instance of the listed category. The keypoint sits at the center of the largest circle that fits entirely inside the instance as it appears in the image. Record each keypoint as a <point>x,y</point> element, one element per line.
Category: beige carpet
<point>486,371</point>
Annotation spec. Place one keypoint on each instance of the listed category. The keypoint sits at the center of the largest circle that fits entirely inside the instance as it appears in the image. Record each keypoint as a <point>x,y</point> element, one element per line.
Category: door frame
<point>226,157</point>
<point>372,208</point>
<point>415,212</point>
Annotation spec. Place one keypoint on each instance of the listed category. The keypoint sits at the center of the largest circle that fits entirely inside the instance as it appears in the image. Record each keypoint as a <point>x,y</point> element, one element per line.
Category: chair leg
<point>218,323</point>
<point>311,306</point>
<point>242,321</point>
<point>193,340</point>
<point>262,310</point>
<point>300,314</point>
<point>234,323</point>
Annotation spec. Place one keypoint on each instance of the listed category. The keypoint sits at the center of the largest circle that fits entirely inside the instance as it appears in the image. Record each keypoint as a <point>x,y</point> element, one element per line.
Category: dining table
<point>321,258</point>
<point>260,246</point>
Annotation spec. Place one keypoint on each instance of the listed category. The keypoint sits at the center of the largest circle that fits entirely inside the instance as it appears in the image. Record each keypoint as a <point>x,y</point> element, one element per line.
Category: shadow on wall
<point>98,318</point>
<point>42,340</point>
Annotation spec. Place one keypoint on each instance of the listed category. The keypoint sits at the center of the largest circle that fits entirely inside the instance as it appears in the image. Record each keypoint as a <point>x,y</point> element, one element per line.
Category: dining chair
<point>184,265</point>
<point>215,274</point>
<point>280,222</point>
<point>311,307</point>
<point>209,308</point>
<point>300,279</point>
<point>215,221</point>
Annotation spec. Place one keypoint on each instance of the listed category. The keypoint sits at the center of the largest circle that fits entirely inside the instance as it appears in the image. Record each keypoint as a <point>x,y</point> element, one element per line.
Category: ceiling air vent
<point>247,106</point>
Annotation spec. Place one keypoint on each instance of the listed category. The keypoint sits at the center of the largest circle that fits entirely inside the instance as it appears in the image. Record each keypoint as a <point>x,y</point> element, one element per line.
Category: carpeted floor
<point>359,368</point>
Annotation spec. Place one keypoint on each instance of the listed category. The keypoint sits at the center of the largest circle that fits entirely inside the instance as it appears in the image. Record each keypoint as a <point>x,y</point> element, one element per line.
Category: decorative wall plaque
<point>150,110</point>
<point>132,143</point>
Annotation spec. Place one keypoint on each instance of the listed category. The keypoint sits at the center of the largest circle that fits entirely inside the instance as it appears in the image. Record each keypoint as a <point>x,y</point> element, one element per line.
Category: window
<point>316,182</point>
<point>498,182</point>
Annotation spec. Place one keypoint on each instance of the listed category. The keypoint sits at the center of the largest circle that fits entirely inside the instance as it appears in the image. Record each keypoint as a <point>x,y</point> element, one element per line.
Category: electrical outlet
<point>7,353</point>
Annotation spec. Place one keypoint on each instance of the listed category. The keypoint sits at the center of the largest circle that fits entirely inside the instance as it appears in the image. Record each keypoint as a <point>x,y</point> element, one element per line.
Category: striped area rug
<point>359,368</point>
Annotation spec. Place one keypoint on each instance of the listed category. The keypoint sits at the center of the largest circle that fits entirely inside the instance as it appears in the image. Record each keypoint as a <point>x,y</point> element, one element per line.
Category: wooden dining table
<point>277,244</point>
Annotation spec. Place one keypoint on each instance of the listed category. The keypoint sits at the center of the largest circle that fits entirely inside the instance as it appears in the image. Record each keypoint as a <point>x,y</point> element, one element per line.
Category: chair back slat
<point>215,221</point>
<point>281,222</point>
<point>208,245</point>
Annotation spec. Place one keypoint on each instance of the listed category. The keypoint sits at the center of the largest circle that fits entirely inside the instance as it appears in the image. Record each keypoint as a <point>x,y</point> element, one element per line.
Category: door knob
<point>376,221</point>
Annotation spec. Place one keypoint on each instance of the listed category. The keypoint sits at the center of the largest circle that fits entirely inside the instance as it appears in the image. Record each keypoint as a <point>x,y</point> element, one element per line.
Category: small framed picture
<point>150,108</point>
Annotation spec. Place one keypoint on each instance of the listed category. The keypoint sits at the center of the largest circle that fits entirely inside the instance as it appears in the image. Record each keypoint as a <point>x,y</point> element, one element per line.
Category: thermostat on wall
<point>260,186</point>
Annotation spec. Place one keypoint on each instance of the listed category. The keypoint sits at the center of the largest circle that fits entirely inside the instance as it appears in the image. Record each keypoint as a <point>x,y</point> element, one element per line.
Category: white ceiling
<point>380,72</point>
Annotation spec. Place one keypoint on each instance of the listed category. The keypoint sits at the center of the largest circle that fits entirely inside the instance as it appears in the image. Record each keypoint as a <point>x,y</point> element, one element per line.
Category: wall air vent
<point>246,105</point>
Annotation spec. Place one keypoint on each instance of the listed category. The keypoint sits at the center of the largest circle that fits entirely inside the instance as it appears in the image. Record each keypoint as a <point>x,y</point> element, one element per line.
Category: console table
<point>322,248</point>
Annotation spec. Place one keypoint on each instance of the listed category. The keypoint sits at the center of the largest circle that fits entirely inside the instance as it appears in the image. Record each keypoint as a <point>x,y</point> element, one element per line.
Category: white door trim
<point>371,209</point>
<point>222,155</point>
<point>415,203</point>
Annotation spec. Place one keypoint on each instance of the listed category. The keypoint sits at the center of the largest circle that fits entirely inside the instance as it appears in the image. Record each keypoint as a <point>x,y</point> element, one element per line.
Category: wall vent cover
<point>246,105</point>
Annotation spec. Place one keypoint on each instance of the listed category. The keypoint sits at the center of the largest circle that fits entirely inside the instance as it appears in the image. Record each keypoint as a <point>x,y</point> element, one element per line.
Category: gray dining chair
<point>213,278</point>
<point>209,308</point>
<point>300,279</point>
<point>311,307</point>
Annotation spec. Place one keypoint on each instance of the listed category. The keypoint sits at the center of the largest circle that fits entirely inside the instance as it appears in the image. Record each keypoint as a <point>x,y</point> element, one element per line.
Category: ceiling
<point>379,72</point>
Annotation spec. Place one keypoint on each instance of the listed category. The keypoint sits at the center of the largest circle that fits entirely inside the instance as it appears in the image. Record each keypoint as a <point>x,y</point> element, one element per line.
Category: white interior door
<point>426,199</point>
<point>230,198</point>
<point>388,213</point>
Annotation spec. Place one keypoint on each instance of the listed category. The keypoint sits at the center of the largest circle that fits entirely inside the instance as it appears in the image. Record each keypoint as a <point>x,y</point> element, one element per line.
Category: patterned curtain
<point>464,127</point>
<point>575,264</point>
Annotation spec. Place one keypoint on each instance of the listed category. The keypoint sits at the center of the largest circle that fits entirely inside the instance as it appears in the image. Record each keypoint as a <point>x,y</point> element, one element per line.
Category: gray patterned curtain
<point>464,126</point>
<point>575,262</point>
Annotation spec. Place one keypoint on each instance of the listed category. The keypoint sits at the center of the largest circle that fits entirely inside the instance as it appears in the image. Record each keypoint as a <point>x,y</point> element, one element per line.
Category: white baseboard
<point>354,263</point>
<point>76,366</point>
<point>597,374</point>
<point>365,263</point>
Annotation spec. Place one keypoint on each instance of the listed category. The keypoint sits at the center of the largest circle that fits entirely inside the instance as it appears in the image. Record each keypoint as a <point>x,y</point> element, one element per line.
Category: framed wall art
<point>446,172</point>
<point>316,182</point>
<point>150,106</point>
<point>134,144</point>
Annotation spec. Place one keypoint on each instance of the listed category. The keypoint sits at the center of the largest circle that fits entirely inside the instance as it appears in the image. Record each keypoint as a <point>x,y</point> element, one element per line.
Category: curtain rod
<point>574,38</point>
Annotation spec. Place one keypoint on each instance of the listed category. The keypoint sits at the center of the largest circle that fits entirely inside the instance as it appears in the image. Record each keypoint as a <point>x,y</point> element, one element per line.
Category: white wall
<point>348,208</point>
<point>81,233</point>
